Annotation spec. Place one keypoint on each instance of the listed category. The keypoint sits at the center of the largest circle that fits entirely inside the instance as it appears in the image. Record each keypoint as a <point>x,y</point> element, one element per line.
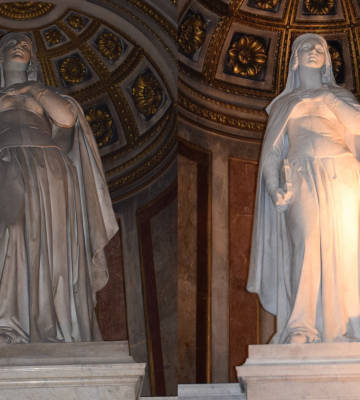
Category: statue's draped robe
<point>322,301</point>
<point>55,219</point>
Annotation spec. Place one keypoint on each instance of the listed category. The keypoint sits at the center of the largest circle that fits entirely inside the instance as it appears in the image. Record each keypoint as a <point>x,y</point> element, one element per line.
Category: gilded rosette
<point>319,7</point>
<point>76,21</point>
<point>53,36</point>
<point>73,70</point>
<point>147,94</point>
<point>192,34</point>
<point>266,4</point>
<point>101,125</point>
<point>336,60</point>
<point>247,56</point>
<point>110,46</point>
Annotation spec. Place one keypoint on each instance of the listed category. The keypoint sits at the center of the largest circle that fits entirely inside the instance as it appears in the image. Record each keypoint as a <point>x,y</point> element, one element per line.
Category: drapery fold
<point>56,217</point>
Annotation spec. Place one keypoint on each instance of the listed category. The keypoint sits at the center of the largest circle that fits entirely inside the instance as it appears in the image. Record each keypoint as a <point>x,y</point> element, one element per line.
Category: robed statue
<point>305,249</point>
<point>55,210</point>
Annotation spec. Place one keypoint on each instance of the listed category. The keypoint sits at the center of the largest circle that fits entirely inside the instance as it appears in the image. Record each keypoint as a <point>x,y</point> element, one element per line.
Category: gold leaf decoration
<point>192,34</point>
<point>319,7</point>
<point>110,46</point>
<point>73,70</point>
<point>76,21</point>
<point>53,36</point>
<point>247,56</point>
<point>336,60</point>
<point>25,10</point>
<point>101,125</point>
<point>266,4</point>
<point>147,94</point>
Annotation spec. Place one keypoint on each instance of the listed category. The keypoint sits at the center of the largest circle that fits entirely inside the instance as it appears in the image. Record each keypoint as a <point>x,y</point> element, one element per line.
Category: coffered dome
<point>109,57</point>
<point>234,56</point>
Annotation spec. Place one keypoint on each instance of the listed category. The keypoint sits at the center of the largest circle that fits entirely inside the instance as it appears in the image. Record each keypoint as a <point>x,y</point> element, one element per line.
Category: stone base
<point>325,371</point>
<point>211,391</point>
<point>71,371</point>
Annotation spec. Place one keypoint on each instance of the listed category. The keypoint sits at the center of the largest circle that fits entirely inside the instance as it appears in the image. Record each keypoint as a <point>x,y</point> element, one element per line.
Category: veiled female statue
<point>305,249</point>
<point>55,209</point>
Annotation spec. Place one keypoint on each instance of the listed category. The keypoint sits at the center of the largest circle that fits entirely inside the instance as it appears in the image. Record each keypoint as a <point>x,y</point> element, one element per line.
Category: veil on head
<point>32,67</point>
<point>327,75</point>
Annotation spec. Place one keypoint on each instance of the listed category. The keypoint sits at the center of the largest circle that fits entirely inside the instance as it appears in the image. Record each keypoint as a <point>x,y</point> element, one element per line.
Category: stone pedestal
<point>312,371</point>
<point>211,391</point>
<point>71,371</point>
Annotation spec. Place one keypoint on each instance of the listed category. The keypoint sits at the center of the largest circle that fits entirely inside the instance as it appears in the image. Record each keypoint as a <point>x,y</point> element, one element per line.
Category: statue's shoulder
<point>282,103</point>
<point>344,93</point>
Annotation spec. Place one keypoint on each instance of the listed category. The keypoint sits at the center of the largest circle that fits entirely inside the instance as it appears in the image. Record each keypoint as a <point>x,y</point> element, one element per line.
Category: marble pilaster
<point>222,148</point>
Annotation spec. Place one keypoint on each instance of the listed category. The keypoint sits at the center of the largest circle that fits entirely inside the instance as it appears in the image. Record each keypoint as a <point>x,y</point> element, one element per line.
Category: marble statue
<point>55,210</point>
<point>305,249</point>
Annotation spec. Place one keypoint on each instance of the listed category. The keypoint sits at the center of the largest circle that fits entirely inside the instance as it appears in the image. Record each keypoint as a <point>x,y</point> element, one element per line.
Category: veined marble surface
<point>71,371</point>
<point>326,371</point>
<point>212,391</point>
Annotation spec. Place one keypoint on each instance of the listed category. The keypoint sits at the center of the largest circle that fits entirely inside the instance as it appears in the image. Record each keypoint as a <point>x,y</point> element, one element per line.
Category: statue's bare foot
<point>298,338</point>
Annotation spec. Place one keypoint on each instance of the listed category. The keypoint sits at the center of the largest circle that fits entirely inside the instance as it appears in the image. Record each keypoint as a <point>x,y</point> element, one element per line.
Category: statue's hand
<point>21,88</point>
<point>280,199</point>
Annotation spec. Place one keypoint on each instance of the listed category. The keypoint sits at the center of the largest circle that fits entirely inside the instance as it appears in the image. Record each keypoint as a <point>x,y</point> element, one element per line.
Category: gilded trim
<point>162,22</point>
<point>154,178</point>
<point>147,166</point>
<point>25,10</point>
<point>168,118</point>
<point>228,120</point>
<point>220,103</point>
<point>142,23</point>
<point>220,133</point>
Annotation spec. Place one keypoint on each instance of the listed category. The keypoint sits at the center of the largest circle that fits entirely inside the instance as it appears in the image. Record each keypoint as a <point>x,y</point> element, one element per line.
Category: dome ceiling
<point>126,98</point>
<point>234,56</point>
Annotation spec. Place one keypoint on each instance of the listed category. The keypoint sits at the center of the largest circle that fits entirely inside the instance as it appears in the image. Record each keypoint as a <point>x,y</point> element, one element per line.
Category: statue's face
<point>311,54</point>
<point>17,50</point>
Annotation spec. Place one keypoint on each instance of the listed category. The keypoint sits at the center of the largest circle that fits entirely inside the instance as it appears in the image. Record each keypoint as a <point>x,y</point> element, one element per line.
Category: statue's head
<point>17,53</point>
<point>311,50</point>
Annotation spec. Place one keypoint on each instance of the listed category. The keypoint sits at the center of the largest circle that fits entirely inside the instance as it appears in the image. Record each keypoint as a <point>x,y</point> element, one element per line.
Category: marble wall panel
<point>187,207</point>
<point>222,148</point>
<point>164,240</point>
<point>126,210</point>
<point>111,308</point>
<point>157,230</point>
<point>244,312</point>
<point>200,269</point>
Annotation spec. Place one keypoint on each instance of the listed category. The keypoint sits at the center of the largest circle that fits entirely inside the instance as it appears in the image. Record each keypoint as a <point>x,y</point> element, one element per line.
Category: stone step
<point>212,391</point>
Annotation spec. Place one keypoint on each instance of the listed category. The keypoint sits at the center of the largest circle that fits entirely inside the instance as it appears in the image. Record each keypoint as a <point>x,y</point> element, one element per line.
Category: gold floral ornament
<point>25,10</point>
<point>53,36</point>
<point>319,7</point>
<point>266,4</point>
<point>110,46</point>
<point>73,70</point>
<point>76,21</point>
<point>101,125</point>
<point>247,56</point>
<point>192,34</point>
<point>147,94</point>
<point>336,60</point>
